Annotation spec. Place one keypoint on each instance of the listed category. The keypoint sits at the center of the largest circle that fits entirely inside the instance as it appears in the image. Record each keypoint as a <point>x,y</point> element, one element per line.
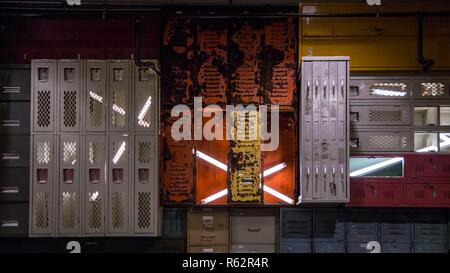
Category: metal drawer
<point>362,226</point>
<point>14,219</point>
<point>208,249</point>
<point>208,227</point>
<point>430,248</point>
<point>329,225</point>
<point>430,226</point>
<point>251,227</point>
<point>14,117</point>
<point>296,224</point>
<point>382,140</point>
<point>380,115</point>
<point>15,83</point>
<point>14,185</point>
<point>396,248</point>
<point>329,247</point>
<point>174,223</point>
<point>395,226</point>
<point>252,248</point>
<point>385,88</point>
<point>295,246</point>
<point>14,151</point>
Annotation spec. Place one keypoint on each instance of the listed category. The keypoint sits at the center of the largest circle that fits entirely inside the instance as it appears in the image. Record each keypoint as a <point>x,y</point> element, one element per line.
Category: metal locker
<point>14,151</point>
<point>396,226</point>
<point>362,226</point>
<point>380,115</point>
<point>69,95</point>
<point>208,249</point>
<point>381,140</point>
<point>380,88</point>
<point>68,193</point>
<point>253,227</point>
<point>14,118</point>
<point>296,224</point>
<point>146,198</point>
<point>94,192</point>
<point>329,247</point>
<point>396,247</point>
<point>14,219</point>
<point>208,226</point>
<point>146,99</point>
<point>118,185</point>
<point>431,88</point>
<point>430,226</point>
<point>14,185</point>
<point>15,82</point>
<point>295,246</point>
<point>44,78</point>
<point>42,186</point>
<point>253,248</point>
<point>329,225</point>
<point>174,223</point>
<point>119,88</point>
<point>95,96</point>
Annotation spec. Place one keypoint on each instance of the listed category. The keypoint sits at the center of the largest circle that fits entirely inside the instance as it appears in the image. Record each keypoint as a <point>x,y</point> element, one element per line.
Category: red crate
<point>428,165</point>
<point>381,192</point>
<point>428,193</point>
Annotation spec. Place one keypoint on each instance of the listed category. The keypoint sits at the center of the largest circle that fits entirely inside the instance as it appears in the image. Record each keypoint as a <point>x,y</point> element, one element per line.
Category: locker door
<point>119,85</point>
<point>333,132</point>
<point>322,96</point>
<point>42,188</point>
<point>306,133</point>
<point>317,133</point>
<point>95,98</point>
<point>146,99</point>
<point>380,115</point>
<point>69,185</point>
<point>343,131</point>
<point>69,92</point>
<point>44,95</point>
<point>145,184</point>
<point>118,185</point>
<point>95,188</point>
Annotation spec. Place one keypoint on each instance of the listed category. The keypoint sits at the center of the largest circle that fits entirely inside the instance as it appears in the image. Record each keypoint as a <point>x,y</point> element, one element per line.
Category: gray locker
<point>395,226</point>
<point>253,227</point>
<point>296,224</point>
<point>324,133</point>
<point>380,115</point>
<point>381,140</point>
<point>329,225</point>
<point>95,95</point>
<point>362,226</point>
<point>42,209</point>
<point>380,88</point>
<point>94,187</point>
<point>430,226</point>
<point>118,185</point>
<point>15,82</point>
<point>14,184</point>
<point>146,185</point>
<point>68,200</point>
<point>431,88</point>
<point>15,119</point>
<point>119,88</point>
<point>69,94</point>
<point>14,219</point>
<point>145,102</point>
<point>44,80</point>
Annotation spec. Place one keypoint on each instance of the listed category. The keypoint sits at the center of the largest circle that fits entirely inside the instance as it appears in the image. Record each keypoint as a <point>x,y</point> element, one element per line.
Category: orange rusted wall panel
<point>245,62</point>
<point>279,61</point>
<point>177,61</point>
<point>282,181</point>
<point>211,61</point>
<point>177,165</point>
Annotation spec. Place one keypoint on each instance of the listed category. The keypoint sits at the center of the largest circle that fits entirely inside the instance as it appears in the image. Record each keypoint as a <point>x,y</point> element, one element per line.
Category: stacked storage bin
<point>174,230</point>
<point>329,231</point>
<point>296,227</point>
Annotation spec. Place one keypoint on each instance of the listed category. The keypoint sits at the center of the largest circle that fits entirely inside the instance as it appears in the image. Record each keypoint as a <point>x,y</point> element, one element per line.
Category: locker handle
<point>254,229</point>
<point>333,86</point>
<point>307,172</point>
<point>11,89</point>
<point>324,171</point>
<point>342,172</point>
<point>9,224</point>
<point>10,156</point>
<point>307,89</point>
<point>317,172</point>
<point>10,123</point>
<point>9,190</point>
<point>317,86</point>
<point>342,88</point>
<point>333,171</point>
<point>324,89</point>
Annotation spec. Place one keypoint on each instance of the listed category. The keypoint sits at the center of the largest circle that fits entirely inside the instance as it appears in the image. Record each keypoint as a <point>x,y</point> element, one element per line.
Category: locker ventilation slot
<point>43,152</point>
<point>383,116</point>
<point>68,210</point>
<point>144,210</point>
<point>43,108</point>
<point>95,212</point>
<point>70,152</point>
<point>145,103</point>
<point>431,89</point>
<point>388,89</point>
<point>118,213</point>
<point>42,210</point>
<point>118,113</point>
<point>96,108</point>
<point>387,142</point>
<point>144,152</point>
<point>70,108</point>
<point>94,152</point>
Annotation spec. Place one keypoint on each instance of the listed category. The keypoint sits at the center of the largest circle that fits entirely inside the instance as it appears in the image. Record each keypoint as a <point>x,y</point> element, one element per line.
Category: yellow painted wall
<point>375,43</point>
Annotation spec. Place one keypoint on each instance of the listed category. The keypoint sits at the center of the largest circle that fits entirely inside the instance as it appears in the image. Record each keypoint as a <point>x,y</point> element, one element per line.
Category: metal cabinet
<point>253,227</point>
<point>380,115</point>
<point>69,95</point>
<point>396,248</point>
<point>252,248</point>
<point>15,118</point>
<point>119,86</point>
<point>43,87</point>
<point>324,130</point>
<point>174,223</point>
<point>380,88</point>
<point>14,150</point>
<point>14,219</point>
<point>431,88</point>
<point>14,184</point>
<point>430,226</point>
<point>296,224</point>
<point>15,82</point>
<point>363,226</point>
<point>208,249</point>
<point>95,95</point>
<point>381,140</point>
<point>145,99</point>
<point>295,246</point>
<point>208,226</point>
<point>395,227</point>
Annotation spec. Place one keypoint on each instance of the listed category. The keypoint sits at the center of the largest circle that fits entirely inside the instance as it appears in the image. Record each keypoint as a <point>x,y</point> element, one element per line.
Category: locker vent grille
<point>94,152</point>
<point>96,108</point>
<point>43,152</point>
<point>68,209</point>
<point>95,212</point>
<point>43,108</point>
<point>118,213</point>
<point>70,152</point>
<point>42,210</point>
<point>431,89</point>
<point>144,210</point>
<point>144,152</point>
<point>70,108</point>
<point>388,89</point>
<point>118,113</point>
<point>385,116</point>
<point>144,101</point>
<point>387,142</point>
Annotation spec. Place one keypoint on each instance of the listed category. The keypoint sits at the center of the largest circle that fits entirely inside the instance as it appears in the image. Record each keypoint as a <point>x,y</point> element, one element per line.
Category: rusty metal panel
<point>212,62</point>
<point>279,186</point>
<point>279,61</point>
<point>245,62</point>
<point>244,159</point>
<point>177,176</point>
<point>178,57</point>
<point>211,176</point>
